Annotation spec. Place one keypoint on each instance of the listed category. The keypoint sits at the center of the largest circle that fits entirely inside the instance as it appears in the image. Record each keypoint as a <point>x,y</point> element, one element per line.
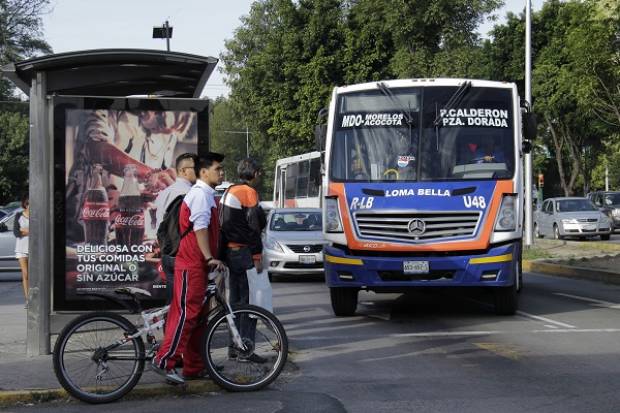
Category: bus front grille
<point>416,226</point>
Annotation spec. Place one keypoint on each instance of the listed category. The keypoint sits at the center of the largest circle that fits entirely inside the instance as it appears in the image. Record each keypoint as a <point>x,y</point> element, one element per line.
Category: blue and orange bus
<point>423,187</point>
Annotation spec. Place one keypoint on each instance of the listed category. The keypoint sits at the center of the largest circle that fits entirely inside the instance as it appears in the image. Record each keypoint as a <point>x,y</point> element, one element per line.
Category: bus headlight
<point>333,222</point>
<point>506,219</point>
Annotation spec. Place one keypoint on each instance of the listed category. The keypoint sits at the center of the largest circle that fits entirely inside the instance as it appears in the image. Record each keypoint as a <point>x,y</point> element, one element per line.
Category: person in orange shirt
<point>242,223</point>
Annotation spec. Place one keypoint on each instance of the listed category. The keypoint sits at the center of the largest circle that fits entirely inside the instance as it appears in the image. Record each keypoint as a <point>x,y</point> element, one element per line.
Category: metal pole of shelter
<point>41,218</point>
<point>528,96</point>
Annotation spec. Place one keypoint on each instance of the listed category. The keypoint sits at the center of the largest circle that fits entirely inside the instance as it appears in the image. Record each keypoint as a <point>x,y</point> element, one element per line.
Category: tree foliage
<point>20,38</point>
<point>286,57</point>
<point>14,130</point>
<point>20,34</point>
<point>284,60</point>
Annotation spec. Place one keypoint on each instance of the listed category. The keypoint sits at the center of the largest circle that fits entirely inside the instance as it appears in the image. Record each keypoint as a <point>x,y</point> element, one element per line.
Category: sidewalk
<point>25,380</point>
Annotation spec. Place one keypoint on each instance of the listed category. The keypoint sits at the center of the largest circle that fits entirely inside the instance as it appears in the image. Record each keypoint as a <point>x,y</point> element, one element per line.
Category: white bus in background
<point>297,181</point>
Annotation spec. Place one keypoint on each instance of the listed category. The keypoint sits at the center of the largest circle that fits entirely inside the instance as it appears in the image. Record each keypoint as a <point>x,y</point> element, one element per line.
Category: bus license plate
<point>307,259</point>
<point>415,267</point>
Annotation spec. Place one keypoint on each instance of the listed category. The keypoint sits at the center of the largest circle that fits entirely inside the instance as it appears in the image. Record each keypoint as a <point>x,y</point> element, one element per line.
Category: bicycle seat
<point>132,291</point>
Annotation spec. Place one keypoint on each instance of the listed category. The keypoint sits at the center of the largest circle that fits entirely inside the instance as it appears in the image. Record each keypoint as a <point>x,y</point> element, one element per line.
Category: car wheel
<point>556,232</point>
<point>344,301</point>
<point>605,237</point>
<point>537,231</point>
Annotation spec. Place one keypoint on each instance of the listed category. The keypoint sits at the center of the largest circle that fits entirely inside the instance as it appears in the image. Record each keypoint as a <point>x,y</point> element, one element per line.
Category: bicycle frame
<point>155,319</point>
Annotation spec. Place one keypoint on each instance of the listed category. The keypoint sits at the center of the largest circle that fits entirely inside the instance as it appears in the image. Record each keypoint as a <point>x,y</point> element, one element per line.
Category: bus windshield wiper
<point>453,101</point>
<point>406,112</point>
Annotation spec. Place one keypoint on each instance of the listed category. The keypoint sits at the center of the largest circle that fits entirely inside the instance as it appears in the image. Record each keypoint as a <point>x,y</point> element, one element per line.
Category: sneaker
<point>253,358</point>
<point>170,375</point>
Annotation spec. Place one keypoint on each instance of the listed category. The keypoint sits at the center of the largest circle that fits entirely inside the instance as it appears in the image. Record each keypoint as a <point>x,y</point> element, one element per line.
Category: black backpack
<point>168,232</point>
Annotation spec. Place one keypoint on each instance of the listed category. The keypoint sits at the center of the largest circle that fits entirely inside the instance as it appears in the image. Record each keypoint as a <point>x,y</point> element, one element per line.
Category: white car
<point>293,241</point>
<point>9,267</point>
<point>571,217</point>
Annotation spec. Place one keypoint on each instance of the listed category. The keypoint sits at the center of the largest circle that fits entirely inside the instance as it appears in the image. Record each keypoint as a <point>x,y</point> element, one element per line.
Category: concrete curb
<point>569,271</point>
<point>16,397</point>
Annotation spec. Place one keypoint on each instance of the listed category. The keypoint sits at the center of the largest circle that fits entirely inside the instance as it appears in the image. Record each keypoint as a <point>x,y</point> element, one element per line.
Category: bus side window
<point>302,179</point>
<point>315,177</point>
<point>291,180</point>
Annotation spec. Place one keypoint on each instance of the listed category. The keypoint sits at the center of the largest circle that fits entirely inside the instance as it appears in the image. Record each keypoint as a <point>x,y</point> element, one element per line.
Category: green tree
<point>14,130</point>
<point>287,56</point>
<point>227,137</point>
<point>20,34</point>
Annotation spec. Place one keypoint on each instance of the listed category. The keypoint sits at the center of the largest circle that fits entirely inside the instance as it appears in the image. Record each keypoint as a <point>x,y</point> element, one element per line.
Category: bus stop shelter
<point>96,73</point>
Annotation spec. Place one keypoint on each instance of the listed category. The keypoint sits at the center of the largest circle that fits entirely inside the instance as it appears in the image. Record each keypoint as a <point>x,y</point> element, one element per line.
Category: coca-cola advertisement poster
<point>116,155</point>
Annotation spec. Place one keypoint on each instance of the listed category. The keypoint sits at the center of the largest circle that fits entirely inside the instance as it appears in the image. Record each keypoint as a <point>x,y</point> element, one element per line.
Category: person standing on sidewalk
<point>243,221</point>
<point>21,227</point>
<point>186,177</point>
<point>194,259</point>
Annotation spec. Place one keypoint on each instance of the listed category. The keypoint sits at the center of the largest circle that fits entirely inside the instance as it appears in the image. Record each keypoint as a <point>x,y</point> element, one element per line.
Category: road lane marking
<point>321,329</point>
<point>544,319</point>
<point>503,350</point>
<point>600,303</point>
<point>447,333</point>
<point>431,334</point>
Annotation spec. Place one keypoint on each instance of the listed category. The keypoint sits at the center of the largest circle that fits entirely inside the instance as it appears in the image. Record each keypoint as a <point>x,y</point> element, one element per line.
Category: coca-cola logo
<point>96,211</point>
<point>136,220</point>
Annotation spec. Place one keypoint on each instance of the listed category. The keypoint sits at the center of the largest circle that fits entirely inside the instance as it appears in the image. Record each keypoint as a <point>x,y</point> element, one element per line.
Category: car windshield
<point>296,221</point>
<point>574,205</point>
<point>612,199</point>
<point>382,138</point>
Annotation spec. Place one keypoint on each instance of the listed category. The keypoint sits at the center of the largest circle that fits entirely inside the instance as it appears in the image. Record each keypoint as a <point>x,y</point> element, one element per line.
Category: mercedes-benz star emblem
<point>416,227</point>
<point>307,248</point>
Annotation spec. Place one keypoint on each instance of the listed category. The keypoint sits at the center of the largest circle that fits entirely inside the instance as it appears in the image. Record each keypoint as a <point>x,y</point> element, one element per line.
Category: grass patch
<point>534,253</point>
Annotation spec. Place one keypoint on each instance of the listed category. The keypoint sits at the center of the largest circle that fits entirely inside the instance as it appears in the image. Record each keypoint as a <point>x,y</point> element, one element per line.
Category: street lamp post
<point>528,97</point>
<point>164,32</point>
<point>247,138</point>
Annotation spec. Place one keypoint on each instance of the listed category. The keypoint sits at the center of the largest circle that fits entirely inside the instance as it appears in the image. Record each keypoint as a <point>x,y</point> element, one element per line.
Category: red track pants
<point>183,331</point>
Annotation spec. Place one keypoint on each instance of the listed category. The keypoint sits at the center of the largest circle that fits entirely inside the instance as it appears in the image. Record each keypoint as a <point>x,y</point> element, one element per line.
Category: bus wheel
<point>506,300</point>
<point>344,301</point>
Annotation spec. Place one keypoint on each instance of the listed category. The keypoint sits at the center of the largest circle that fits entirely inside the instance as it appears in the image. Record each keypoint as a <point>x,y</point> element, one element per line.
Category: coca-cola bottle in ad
<point>129,223</point>
<point>96,211</point>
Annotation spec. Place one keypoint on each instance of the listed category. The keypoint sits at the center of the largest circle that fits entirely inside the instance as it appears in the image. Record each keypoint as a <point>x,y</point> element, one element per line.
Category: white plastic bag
<point>260,289</point>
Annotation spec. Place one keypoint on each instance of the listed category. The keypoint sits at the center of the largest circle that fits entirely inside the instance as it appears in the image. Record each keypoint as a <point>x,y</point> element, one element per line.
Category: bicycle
<point>100,356</point>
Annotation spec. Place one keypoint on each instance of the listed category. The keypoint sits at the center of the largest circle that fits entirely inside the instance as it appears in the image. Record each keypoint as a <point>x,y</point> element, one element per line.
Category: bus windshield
<point>473,139</point>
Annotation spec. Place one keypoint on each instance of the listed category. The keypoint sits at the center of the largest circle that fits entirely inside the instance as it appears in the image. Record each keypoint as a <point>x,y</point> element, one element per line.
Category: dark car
<point>609,203</point>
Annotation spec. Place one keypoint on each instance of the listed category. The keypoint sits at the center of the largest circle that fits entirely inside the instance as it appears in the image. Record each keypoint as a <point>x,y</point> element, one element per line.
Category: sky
<point>200,26</point>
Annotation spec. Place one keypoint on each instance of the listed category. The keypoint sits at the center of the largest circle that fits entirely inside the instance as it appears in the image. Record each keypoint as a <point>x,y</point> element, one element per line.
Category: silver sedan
<point>571,217</point>
<point>293,241</point>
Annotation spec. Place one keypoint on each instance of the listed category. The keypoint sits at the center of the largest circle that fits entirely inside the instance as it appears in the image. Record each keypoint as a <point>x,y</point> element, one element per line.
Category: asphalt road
<point>432,352</point>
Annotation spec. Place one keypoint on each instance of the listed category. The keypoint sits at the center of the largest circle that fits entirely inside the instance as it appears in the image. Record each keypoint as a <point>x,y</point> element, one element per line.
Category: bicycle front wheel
<point>254,367</point>
<point>92,360</point>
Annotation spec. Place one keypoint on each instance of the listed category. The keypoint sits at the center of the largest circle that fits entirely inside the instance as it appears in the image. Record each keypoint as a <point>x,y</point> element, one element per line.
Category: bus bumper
<point>494,268</point>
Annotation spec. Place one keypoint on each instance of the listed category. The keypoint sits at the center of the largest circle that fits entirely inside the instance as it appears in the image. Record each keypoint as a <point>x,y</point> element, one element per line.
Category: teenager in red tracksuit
<point>196,254</point>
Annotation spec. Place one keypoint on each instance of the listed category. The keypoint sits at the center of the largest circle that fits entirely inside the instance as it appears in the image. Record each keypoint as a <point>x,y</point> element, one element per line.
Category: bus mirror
<point>529,126</point>
<point>526,146</point>
<point>320,132</point>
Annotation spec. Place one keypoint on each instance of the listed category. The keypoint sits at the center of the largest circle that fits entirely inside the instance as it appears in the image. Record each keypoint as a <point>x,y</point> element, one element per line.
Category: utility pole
<point>606,177</point>
<point>527,175</point>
